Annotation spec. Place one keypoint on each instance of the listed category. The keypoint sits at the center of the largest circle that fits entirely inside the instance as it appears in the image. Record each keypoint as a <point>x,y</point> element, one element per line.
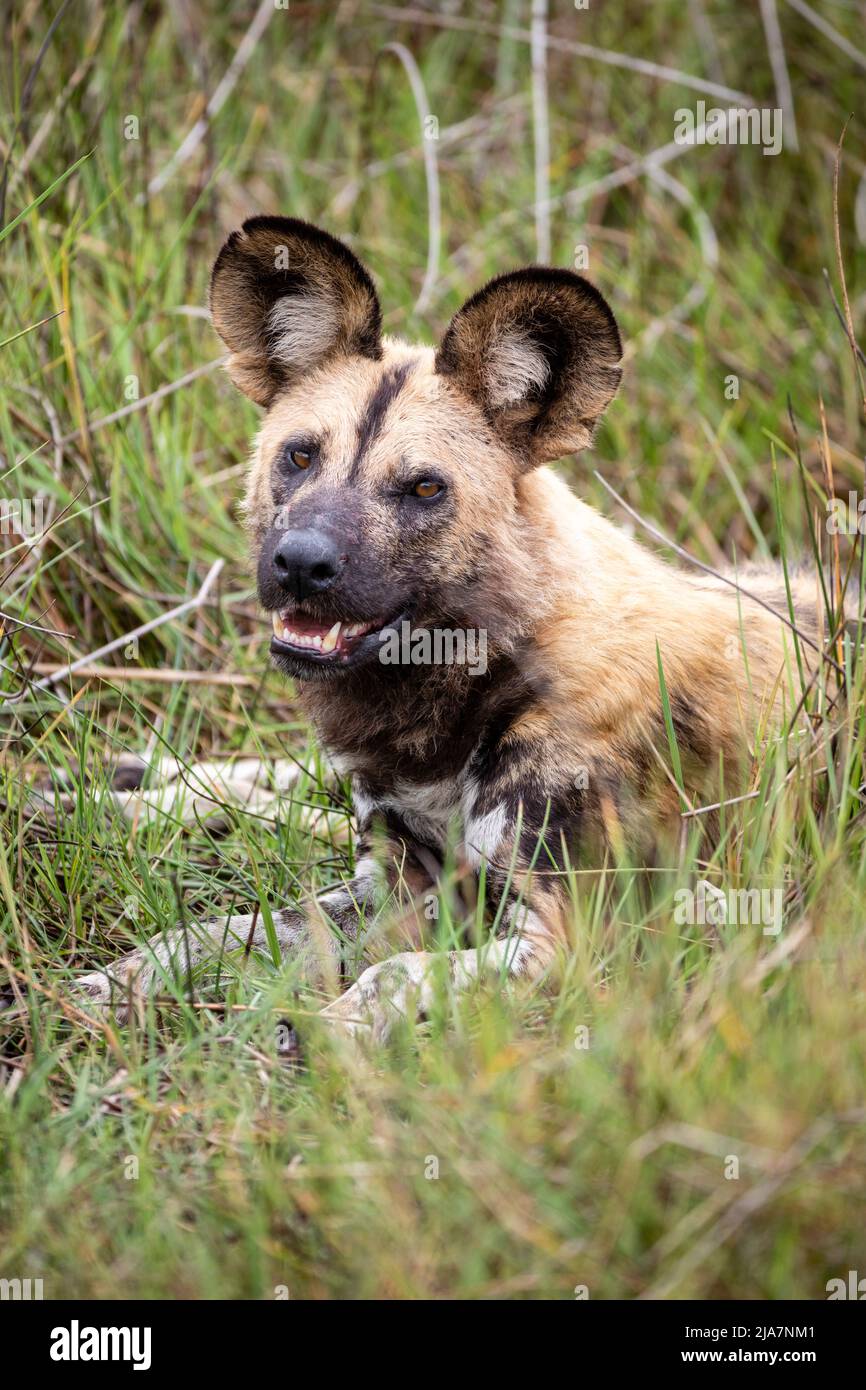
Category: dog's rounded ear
<point>284,297</point>
<point>538,350</point>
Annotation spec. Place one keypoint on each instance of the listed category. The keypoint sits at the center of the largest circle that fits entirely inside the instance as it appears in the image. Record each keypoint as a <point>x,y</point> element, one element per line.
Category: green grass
<point>582,1137</point>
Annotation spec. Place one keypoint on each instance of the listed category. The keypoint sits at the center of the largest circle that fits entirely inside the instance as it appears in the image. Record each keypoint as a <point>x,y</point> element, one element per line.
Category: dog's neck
<point>394,723</point>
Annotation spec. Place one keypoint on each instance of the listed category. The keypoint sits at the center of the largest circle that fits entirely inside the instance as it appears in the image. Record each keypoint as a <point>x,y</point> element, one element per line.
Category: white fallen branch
<point>178,612</point>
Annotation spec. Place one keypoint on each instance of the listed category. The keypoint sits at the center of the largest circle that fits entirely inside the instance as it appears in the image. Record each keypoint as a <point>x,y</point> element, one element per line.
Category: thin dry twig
<point>541,130</point>
<point>164,675</point>
<point>717,574</point>
<point>168,389</point>
<point>717,805</point>
<point>778,63</point>
<point>580,50</point>
<point>194,137</point>
<point>828,31</point>
<point>141,631</point>
<point>431,172</point>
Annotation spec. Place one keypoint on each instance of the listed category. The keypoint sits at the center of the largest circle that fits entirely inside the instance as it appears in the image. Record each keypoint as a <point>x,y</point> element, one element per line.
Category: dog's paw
<point>116,988</point>
<point>395,989</point>
<point>97,987</point>
<point>354,1014</point>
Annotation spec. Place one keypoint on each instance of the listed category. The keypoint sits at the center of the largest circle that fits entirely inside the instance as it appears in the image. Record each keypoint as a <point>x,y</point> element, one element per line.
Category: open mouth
<point>299,635</point>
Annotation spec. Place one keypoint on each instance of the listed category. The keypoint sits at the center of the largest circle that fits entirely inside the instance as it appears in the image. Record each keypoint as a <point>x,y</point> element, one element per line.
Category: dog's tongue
<point>302,630</point>
<point>305,626</point>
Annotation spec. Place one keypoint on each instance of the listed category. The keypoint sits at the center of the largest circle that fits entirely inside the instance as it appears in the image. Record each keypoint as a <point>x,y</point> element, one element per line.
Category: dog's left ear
<point>285,297</point>
<point>538,350</point>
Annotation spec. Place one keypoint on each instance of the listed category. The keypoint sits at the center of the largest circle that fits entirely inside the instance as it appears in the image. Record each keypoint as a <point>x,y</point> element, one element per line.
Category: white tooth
<point>330,640</point>
<point>278,624</point>
<point>317,642</point>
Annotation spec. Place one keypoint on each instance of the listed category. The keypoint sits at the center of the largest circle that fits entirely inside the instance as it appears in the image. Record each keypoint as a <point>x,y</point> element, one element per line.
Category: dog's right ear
<point>284,297</point>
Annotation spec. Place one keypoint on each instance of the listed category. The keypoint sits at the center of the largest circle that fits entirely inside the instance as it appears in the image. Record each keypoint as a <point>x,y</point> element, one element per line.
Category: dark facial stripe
<point>377,408</point>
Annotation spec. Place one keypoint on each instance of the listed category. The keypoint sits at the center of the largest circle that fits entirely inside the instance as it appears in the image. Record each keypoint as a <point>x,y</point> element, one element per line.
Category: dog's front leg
<point>404,986</point>
<point>532,930</point>
<point>317,938</point>
<point>514,837</point>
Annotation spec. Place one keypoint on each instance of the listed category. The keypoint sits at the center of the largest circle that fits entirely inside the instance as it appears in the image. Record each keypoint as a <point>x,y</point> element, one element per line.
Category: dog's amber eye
<point>426,488</point>
<point>299,458</point>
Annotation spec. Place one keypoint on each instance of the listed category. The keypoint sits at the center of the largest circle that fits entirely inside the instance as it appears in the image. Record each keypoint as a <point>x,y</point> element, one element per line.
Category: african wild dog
<point>392,482</point>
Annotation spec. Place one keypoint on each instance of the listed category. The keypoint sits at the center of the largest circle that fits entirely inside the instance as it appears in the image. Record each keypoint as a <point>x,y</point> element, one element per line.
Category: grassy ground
<point>517,1146</point>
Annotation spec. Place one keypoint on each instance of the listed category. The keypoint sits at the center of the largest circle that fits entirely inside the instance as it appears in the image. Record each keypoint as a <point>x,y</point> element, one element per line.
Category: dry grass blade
<point>717,574</point>
<point>776,49</point>
<point>825,28</point>
<point>431,172</point>
<point>541,131</point>
<point>141,631</point>
<point>159,395</point>
<point>191,141</point>
<point>580,50</point>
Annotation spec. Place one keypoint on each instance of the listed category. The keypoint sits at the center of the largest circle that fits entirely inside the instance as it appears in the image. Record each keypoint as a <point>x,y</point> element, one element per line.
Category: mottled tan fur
<point>559,748</point>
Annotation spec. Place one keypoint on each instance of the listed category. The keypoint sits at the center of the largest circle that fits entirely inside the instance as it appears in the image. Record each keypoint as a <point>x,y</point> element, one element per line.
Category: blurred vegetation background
<point>133,138</point>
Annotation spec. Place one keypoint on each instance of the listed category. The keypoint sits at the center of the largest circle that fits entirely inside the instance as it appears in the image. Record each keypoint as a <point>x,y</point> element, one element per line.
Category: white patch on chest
<point>427,808</point>
<point>484,834</point>
<point>431,809</point>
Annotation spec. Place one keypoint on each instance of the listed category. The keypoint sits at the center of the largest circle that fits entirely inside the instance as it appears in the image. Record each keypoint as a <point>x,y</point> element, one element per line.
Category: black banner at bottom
<point>84,1339</point>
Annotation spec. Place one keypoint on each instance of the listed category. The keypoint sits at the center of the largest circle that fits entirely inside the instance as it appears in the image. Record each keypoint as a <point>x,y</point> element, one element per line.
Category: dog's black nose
<point>306,562</point>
